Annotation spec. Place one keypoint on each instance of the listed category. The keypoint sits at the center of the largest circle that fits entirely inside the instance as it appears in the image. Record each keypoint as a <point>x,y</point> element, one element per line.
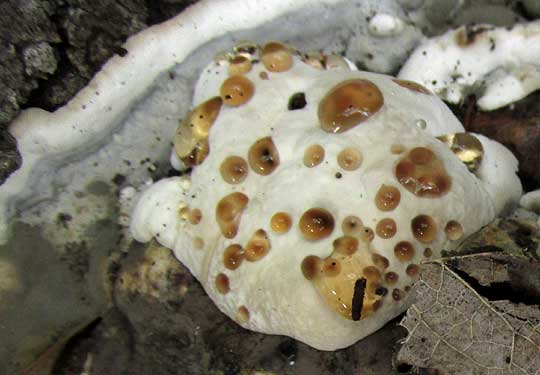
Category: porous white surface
<point>501,65</point>
<point>280,300</point>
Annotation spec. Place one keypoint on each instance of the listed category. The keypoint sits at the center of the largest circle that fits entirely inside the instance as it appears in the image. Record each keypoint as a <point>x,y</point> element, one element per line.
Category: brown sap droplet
<point>239,65</point>
<point>222,283</point>
<point>453,230</point>
<point>336,278</point>
<point>314,155</point>
<point>237,90</point>
<point>413,86</point>
<point>386,228</point>
<point>352,226</point>
<point>424,228</point>
<point>348,104</point>
<point>349,159</point>
<point>234,170</point>
<point>263,156</point>
<point>380,261</point>
<point>281,222</point>
<point>195,216</point>
<point>257,246</point>
<point>229,211</point>
<point>423,173</point>
<point>404,251</point>
<point>233,256</point>
<point>184,213</point>
<point>387,198</point>
<point>391,278</point>
<point>413,270</point>
<point>466,147</point>
<point>398,294</point>
<point>316,224</point>
<point>331,267</point>
<point>243,315</point>
<point>311,266</point>
<point>276,57</point>
<point>367,234</point>
<point>191,138</point>
<point>346,245</point>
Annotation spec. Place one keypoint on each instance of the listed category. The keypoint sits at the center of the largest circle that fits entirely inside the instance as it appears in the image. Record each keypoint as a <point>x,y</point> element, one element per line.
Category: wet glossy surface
<point>424,228</point>
<point>281,222</point>
<point>237,90</point>
<point>313,156</point>
<point>229,212</point>
<point>234,169</point>
<point>263,156</point>
<point>349,104</point>
<point>276,57</point>
<point>387,198</point>
<point>316,224</point>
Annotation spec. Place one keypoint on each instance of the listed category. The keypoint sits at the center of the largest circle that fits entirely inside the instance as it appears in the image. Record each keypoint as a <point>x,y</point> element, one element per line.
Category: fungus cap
<point>324,245</point>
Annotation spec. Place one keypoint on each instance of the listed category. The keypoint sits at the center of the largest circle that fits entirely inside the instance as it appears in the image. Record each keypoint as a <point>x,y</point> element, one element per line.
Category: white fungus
<point>321,247</point>
<point>499,65</point>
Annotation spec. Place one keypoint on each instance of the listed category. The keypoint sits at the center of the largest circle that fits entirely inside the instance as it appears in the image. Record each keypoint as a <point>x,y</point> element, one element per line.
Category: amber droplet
<point>349,159</point>
<point>453,230</point>
<point>311,266</point>
<point>276,57</point>
<point>423,173</point>
<point>366,234</point>
<point>314,155</point>
<point>222,283</point>
<point>316,224</point>
<point>421,155</point>
<point>349,104</point>
<point>413,270</point>
<point>413,86</point>
<point>372,274</point>
<point>191,138</point>
<point>257,246</point>
<point>391,278</point>
<point>233,256</point>
<point>281,222</point>
<point>380,261</point>
<point>397,149</point>
<point>229,211</point>
<point>345,245</point>
<point>398,294</point>
<point>387,198</point>
<point>239,65</point>
<point>237,90</point>
<point>263,156</point>
<point>184,212</point>
<point>386,228</point>
<point>352,226</point>
<point>428,252</point>
<point>234,170</point>
<point>467,148</point>
<point>404,251</point>
<point>331,267</point>
<point>243,315</point>
<point>198,242</point>
<point>424,228</point>
<point>195,216</point>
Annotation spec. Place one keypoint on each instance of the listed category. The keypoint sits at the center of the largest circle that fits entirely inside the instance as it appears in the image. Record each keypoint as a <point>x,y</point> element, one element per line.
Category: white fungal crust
<point>500,65</point>
<point>315,197</point>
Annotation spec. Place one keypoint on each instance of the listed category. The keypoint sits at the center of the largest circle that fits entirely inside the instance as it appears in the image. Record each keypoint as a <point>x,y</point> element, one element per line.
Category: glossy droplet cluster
<point>423,173</point>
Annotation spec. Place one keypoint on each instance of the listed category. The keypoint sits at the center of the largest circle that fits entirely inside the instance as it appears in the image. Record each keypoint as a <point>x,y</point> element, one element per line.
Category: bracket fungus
<point>499,64</point>
<point>315,217</point>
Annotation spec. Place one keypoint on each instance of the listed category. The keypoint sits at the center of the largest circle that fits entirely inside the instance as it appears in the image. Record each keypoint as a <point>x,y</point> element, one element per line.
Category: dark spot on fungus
<point>358,298</point>
<point>297,101</point>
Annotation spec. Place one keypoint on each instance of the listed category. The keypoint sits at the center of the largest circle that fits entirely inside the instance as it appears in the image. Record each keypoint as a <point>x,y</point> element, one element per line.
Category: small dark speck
<point>121,51</point>
<point>424,53</point>
<point>434,82</point>
<point>172,75</point>
<point>119,179</point>
<point>193,196</point>
<point>339,175</point>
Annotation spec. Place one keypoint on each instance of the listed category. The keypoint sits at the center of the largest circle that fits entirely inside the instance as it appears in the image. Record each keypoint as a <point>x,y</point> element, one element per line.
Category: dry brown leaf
<point>456,330</point>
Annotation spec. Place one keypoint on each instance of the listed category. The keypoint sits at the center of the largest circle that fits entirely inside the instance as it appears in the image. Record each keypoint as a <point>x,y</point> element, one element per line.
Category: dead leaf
<point>456,330</point>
